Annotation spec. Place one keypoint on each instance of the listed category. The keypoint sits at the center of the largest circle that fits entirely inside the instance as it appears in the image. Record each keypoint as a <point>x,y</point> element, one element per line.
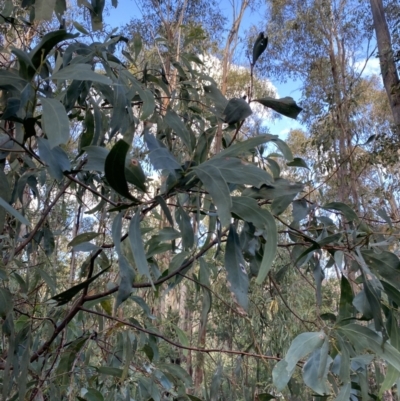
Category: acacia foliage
<point>79,128</point>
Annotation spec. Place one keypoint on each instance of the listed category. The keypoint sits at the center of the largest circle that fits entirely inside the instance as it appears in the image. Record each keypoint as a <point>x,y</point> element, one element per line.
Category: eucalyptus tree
<point>80,123</point>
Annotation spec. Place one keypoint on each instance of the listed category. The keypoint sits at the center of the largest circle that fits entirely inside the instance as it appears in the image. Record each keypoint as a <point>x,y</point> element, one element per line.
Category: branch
<point>162,337</point>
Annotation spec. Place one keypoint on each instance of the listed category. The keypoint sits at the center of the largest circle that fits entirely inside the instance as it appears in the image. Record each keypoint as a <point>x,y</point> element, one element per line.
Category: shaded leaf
<point>97,156</point>
<point>311,375</point>
<point>298,162</point>
<point>259,47</point>
<point>215,184</point>
<point>285,106</point>
<point>363,337</point>
<point>175,123</point>
<point>236,268</point>
<point>84,237</point>
<point>159,155</point>
<point>81,72</point>
<point>347,211</point>
<point>236,110</point>
<point>14,212</point>
<point>55,122</point>
<point>135,240</point>
<point>56,158</point>
<point>114,169</point>
<point>385,263</point>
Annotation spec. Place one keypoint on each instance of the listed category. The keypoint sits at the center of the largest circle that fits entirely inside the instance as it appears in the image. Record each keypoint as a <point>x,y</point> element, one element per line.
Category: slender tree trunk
<point>388,67</point>
<point>230,47</point>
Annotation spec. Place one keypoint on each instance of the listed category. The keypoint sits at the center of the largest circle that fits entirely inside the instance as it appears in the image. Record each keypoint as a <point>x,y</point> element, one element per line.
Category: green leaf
<point>14,212</point>
<point>93,395</point>
<point>236,110</point>
<point>135,240</point>
<point>185,225</point>
<point>216,383</point>
<point>236,171</point>
<point>346,308</point>
<point>43,48</point>
<point>365,338</point>
<point>175,123</point>
<point>159,155</point>
<point>215,184</point>
<point>177,372</point>
<point>280,187</point>
<point>6,302</point>
<point>109,371</point>
<point>55,122</point>
<point>344,393</point>
<point>384,263</point>
<point>312,377</point>
<point>270,248</point>
<point>280,204</point>
<point>347,211</point>
<point>135,175</point>
<point>44,9</point>
<point>236,269</point>
<point>81,72</point>
<point>248,210</point>
<point>165,209</point>
<point>126,271</point>
<point>84,237</point>
<point>97,156</point>
<point>301,346</point>
<point>114,169</point>
<point>285,106</point>
<point>215,95</point>
<point>298,162</point>
<point>80,27</point>
<point>299,210</point>
<point>259,47</point>
<point>56,158</point>
<point>266,397</point>
<point>65,296</point>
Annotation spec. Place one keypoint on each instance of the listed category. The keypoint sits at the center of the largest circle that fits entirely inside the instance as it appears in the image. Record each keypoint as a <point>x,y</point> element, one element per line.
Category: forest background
<point>159,241</point>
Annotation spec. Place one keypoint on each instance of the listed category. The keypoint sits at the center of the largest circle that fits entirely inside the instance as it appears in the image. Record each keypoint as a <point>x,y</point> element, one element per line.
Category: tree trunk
<point>388,67</point>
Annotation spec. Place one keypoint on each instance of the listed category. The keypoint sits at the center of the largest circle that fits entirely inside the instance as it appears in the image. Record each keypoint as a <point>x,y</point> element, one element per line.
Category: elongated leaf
<point>114,169</point>
<point>300,209</point>
<point>363,337</point>
<point>84,237</point>
<point>386,264</point>
<point>259,47</point>
<point>56,158</point>
<point>186,228</point>
<point>126,272</point>
<point>65,296</point>
<point>135,240</point>
<point>280,204</point>
<point>248,210</point>
<point>236,110</point>
<point>215,184</point>
<point>270,248</point>
<point>280,187</point>
<point>298,162</point>
<point>347,211</point>
<point>344,393</point>
<point>14,212</point>
<point>173,121</point>
<point>159,155</point>
<point>285,106</point>
<point>236,268</point>
<point>236,171</point>
<point>81,72</point>
<point>43,48</point>
<point>55,122</point>
<point>6,302</point>
<point>346,308</point>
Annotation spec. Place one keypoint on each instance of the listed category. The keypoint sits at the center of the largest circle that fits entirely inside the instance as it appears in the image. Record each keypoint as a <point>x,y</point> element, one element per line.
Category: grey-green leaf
<point>135,240</point>
<point>55,122</point>
<point>81,72</point>
<point>215,184</point>
<point>236,268</point>
<point>14,212</point>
